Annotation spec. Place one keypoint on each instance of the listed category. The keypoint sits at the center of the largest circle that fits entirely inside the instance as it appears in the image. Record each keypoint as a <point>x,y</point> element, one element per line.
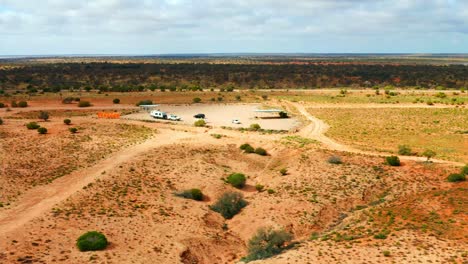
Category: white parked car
<point>173,117</point>
<point>236,121</point>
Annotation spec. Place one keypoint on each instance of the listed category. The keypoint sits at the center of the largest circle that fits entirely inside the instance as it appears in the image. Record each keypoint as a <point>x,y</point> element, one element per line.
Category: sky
<point>46,27</point>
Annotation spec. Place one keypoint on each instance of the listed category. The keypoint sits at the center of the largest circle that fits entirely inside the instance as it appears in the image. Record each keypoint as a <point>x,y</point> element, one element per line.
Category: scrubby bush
<point>284,171</point>
<point>404,150</point>
<point>2,105</point>
<point>67,121</point>
<point>92,241</point>
<point>255,127</point>
<point>249,149</point>
<point>14,104</point>
<point>380,236</point>
<point>42,130</point>
<point>145,102</point>
<point>67,100</point>
<point>266,243</point>
<point>393,161</point>
<point>200,123</point>
<point>23,104</point>
<point>194,194</point>
<point>196,100</point>
<point>73,130</point>
<point>335,160</point>
<point>84,104</point>
<point>464,170</point>
<point>456,177</point>
<point>429,154</point>
<point>283,115</point>
<point>32,125</point>
<point>259,187</point>
<point>116,101</point>
<point>261,151</point>
<point>43,115</point>
<point>237,180</point>
<point>229,204</point>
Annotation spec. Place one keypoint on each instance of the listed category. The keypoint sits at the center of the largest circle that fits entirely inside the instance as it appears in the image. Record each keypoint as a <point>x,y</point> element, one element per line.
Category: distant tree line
<point>129,77</point>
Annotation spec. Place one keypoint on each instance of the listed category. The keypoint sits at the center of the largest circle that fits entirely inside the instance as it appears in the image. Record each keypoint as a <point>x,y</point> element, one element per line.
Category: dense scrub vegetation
<point>195,76</point>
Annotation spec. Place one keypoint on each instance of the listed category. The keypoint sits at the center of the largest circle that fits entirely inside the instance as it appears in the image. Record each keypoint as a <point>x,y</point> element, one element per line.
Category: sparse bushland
<point>229,204</point>
<point>266,243</point>
<point>237,180</point>
<point>43,115</point>
<point>67,121</point>
<point>200,123</point>
<point>393,161</point>
<point>84,104</point>
<point>42,130</point>
<point>194,194</point>
<point>32,125</point>
<point>92,241</point>
<point>404,150</point>
<point>261,151</point>
<point>335,160</point>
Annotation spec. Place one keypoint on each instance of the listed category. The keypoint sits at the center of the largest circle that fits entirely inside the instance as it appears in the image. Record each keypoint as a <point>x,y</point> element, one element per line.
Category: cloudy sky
<point>218,26</point>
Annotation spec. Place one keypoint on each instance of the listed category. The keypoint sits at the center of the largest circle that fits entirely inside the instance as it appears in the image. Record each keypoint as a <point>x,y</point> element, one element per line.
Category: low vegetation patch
<point>261,151</point>
<point>116,101</point>
<point>42,130</point>
<point>255,127</point>
<point>456,177</point>
<point>73,130</point>
<point>266,243</point>
<point>92,241</point>
<point>404,150</point>
<point>237,180</point>
<point>393,161</point>
<point>67,121</point>
<point>229,204</point>
<point>32,125</point>
<point>335,160</point>
<point>200,123</point>
<point>194,194</point>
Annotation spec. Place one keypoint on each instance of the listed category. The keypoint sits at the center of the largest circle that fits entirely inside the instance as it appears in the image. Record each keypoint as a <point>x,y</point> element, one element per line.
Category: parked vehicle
<point>202,116</point>
<point>173,117</point>
<point>236,121</point>
<point>158,114</point>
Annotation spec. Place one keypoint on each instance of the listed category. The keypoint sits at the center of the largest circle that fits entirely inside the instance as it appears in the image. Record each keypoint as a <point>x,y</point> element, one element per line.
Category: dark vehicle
<point>202,116</point>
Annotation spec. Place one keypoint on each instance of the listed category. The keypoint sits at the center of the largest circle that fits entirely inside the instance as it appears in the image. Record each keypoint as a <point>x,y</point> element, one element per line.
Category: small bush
<point>32,125</point>
<point>404,150</point>
<point>67,100</point>
<point>217,136</point>
<point>14,104</point>
<point>229,204</point>
<point>464,170</point>
<point>386,253</point>
<point>456,177</point>
<point>200,123</point>
<point>67,121</point>
<point>237,180</point>
<point>255,127</point>
<point>196,100</point>
<point>259,187</point>
<point>335,160</point>
<point>429,154</point>
<point>283,115</point>
<point>393,161</point>
<point>43,115</point>
<point>2,105</point>
<point>91,241</point>
<point>116,101</point>
<point>284,171</point>
<point>244,146</point>
<point>42,130</point>
<point>1,121</point>
<point>23,104</point>
<point>261,151</point>
<point>266,243</point>
<point>73,130</point>
<point>380,236</point>
<point>84,104</point>
<point>249,149</point>
<point>145,102</point>
<point>194,194</point>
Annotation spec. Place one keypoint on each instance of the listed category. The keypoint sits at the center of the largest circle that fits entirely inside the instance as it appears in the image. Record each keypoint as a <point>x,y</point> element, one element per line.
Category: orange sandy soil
<point>132,202</point>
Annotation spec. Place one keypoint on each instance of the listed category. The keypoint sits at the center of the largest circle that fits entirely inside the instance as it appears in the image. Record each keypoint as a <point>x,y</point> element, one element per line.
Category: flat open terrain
<point>120,177</point>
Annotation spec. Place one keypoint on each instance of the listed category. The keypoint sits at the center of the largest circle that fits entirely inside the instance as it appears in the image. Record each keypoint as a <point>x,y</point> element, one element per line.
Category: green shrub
<point>194,194</point>
<point>1,121</point>
<point>284,171</point>
<point>91,241</point>
<point>404,150</point>
<point>42,130</point>
<point>271,191</point>
<point>283,115</point>
<point>145,102</point>
<point>393,161</point>
<point>67,121</point>
<point>43,115</point>
<point>464,170</point>
<point>255,127</point>
<point>196,100</point>
<point>261,151</point>
<point>237,180</point>
<point>244,146</point>
<point>259,187</point>
<point>23,104</point>
<point>116,101</point>
<point>84,104</point>
<point>335,160</point>
<point>2,105</point>
<point>429,154</point>
<point>249,149</point>
<point>266,243</point>
<point>380,236</point>
<point>200,123</point>
<point>229,204</point>
<point>456,177</point>
<point>386,253</point>
<point>32,125</point>
<point>73,130</point>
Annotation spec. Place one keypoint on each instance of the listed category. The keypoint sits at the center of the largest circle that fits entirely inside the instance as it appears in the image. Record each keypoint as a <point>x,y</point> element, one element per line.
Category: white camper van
<point>158,114</point>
